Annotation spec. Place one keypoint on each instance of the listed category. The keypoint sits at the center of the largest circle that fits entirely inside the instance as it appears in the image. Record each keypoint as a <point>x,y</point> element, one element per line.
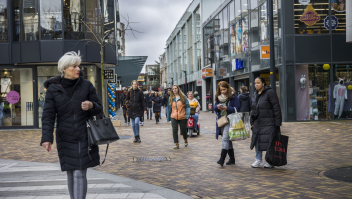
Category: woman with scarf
<point>226,103</point>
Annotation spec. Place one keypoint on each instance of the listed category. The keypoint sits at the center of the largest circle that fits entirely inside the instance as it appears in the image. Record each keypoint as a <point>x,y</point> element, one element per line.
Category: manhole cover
<point>152,159</point>
<point>340,174</point>
<point>125,137</point>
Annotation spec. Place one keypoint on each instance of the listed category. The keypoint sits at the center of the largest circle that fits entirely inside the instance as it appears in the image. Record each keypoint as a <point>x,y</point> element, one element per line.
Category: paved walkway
<point>33,180</point>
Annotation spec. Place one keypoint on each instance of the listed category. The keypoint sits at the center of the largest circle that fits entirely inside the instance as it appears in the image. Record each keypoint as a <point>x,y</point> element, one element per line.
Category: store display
<point>340,94</point>
<point>303,81</point>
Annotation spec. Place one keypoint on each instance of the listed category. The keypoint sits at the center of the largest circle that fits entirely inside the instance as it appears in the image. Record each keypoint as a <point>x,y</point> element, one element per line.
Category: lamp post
<point>211,84</point>
<point>272,48</point>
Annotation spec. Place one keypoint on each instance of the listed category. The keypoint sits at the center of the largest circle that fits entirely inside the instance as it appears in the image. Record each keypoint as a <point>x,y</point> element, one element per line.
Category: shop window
<point>51,19</point>
<point>254,30</point>
<point>277,20</point>
<point>309,19</point>
<point>30,31</point>
<point>254,4</point>
<point>338,13</point>
<point>109,19</point>
<point>16,20</point>
<point>264,33</point>
<point>238,10</point>
<point>94,18</point>
<point>73,19</point>
<point>16,102</point>
<point>3,21</point>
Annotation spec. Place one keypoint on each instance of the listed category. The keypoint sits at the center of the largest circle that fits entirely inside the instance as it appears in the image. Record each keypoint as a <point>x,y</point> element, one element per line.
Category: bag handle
<point>106,152</point>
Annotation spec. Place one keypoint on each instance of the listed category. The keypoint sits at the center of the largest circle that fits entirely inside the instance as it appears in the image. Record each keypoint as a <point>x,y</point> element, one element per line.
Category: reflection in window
<point>16,20</point>
<point>73,15</point>
<point>94,19</point>
<point>50,19</point>
<point>30,20</point>
<point>232,12</point>
<point>245,6</point>
<point>254,4</point>
<point>312,23</point>
<point>263,23</point>
<point>3,21</point>
<point>238,10</point>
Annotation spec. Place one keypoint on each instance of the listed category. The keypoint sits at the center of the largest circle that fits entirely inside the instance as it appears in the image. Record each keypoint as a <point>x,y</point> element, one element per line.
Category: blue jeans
<point>166,113</point>
<point>135,126</point>
<point>195,120</point>
<point>151,112</point>
<point>258,154</point>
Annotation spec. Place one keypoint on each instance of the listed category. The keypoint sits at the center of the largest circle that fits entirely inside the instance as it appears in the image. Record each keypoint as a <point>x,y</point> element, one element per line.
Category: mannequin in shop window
<point>340,95</point>
<point>75,11</point>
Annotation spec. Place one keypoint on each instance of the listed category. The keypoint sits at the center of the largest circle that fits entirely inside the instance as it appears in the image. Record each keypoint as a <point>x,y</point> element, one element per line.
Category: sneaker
<point>257,163</point>
<point>125,123</point>
<point>169,122</point>
<point>186,143</point>
<point>142,124</point>
<point>268,166</point>
<point>128,123</point>
<point>176,146</point>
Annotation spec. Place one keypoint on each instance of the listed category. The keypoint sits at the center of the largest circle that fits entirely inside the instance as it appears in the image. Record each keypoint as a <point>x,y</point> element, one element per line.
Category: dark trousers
<point>183,127</point>
<point>142,119</point>
<point>125,115</point>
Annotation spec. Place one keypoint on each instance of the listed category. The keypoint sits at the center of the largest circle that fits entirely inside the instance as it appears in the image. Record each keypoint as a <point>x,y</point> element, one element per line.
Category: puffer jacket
<point>149,100</point>
<point>71,128</point>
<point>137,105</point>
<point>178,110</point>
<point>245,102</point>
<point>158,101</point>
<point>269,116</point>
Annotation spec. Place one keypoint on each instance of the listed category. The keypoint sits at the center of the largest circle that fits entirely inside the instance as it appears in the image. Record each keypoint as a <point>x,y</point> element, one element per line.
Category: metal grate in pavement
<point>151,159</point>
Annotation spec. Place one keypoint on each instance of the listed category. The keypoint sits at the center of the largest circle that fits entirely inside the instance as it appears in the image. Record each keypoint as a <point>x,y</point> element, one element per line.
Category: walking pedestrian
<point>166,102</point>
<point>124,108</point>
<point>245,100</point>
<point>136,109</point>
<point>196,115</point>
<point>157,102</point>
<point>179,111</point>
<point>70,101</point>
<point>225,104</point>
<point>149,99</point>
<point>266,119</point>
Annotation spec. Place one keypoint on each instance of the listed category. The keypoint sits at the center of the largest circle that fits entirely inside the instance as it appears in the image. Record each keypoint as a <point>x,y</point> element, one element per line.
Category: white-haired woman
<point>71,100</point>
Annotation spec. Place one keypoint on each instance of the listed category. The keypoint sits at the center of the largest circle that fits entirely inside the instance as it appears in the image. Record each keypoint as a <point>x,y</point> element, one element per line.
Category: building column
<point>348,21</point>
<point>204,95</point>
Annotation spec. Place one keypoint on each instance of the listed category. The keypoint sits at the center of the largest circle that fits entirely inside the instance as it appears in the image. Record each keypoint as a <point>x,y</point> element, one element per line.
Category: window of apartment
<point>263,24</point>
<point>50,19</point>
<point>3,21</point>
<point>30,28</point>
<point>314,24</point>
<point>73,16</point>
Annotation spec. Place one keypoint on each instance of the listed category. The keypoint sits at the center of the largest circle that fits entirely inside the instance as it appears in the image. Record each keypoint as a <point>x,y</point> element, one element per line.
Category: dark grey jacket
<point>71,128</point>
<point>245,102</point>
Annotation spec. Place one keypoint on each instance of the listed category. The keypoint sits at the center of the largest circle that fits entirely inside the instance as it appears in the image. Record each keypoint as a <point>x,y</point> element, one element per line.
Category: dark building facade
<point>311,53</point>
<point>34,34</point>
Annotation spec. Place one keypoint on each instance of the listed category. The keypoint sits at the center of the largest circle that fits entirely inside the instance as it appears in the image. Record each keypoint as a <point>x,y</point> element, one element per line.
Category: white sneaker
<point>257,163</point>
<point>142,123</point>
<point>269,166</point>
<point>169,122</point>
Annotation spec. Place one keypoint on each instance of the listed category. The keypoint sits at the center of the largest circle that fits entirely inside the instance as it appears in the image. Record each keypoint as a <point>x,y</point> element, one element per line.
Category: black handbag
<point>101,131</point>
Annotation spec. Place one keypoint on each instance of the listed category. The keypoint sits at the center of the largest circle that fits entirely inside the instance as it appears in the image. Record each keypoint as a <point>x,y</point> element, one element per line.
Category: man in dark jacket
<point>124,108</point>
<point>245,100</point>
<point>166,102</point>
<point>149,100</point>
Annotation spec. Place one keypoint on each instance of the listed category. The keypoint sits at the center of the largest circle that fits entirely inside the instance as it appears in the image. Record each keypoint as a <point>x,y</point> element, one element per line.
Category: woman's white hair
<point>68,59</point>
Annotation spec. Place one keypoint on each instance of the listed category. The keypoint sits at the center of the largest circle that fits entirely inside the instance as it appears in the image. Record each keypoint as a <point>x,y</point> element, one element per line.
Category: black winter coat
<point>123,99</point>
<point>166,99</point>
<point>137,106</point>
<point>149,100</point>
<point>158,101</point>
<point>245,102</point>
<point>71,128</point>
<point>269,116</point>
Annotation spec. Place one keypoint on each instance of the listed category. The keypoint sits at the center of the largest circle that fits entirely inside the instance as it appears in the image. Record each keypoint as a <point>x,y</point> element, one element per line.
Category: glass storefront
<point>16,102</point>
<point>3,20</point>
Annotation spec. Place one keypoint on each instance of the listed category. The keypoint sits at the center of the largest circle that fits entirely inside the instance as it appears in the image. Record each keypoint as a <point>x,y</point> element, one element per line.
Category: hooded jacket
<point>137,105</point>
<point>71,127</point>
<point>269,117</point>
<point>245,102</point>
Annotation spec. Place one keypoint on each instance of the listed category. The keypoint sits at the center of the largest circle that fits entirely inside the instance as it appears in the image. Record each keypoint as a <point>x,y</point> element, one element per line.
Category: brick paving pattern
<point>314,147</point>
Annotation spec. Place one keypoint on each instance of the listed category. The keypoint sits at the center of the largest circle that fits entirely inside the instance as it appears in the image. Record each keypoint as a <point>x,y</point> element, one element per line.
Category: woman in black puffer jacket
<point>157,102</point>
<point>136,108</point>
<point>245,100</point>
<point>71,100</point>
<point>266,119</point>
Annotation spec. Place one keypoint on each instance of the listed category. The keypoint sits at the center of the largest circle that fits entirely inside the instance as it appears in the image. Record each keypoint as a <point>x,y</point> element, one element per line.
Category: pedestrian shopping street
<point>314,147</point>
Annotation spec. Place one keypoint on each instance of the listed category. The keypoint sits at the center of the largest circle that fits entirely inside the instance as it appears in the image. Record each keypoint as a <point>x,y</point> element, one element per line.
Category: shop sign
<point>199,82</point>
<point>207,72</point>
<point>264,52</point>
<point>222,71</point>
<point>237,64</point>
<point>304,2</point>
<point>310,16</point>
<point>108,74</point>
<point>140,78</point>
<point>334,22</point>
<point>13,97</point>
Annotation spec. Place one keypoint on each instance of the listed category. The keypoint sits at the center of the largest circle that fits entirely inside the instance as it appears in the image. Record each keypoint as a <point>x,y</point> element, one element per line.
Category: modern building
<point>311,53</point>
<point>33,36</point>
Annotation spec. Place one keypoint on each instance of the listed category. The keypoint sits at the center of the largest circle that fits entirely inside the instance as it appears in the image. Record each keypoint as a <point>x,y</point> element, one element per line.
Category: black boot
<point>222,157</point>
<point>135,139</point>
<point>138,139</point>
<point>232,157</point>
<point>156,119</point>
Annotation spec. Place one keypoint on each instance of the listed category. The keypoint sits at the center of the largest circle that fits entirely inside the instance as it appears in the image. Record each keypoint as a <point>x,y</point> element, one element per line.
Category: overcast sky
<point>157,19</point>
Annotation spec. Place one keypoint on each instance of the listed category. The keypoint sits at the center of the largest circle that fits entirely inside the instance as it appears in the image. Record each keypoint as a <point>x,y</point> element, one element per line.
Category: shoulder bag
<point>222,121</point>
<point>128,102</point>
<point>101,131</point>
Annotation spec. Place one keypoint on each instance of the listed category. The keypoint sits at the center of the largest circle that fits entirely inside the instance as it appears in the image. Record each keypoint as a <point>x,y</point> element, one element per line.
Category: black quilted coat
<point>71,128</point>
<point>137,105</point>
<point>269,116</point>
<point>158,102</point>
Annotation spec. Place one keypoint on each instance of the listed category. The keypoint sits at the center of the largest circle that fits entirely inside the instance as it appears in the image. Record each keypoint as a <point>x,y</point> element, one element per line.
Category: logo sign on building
<point>310,16</point>
<point>207,72</point>
<point>304,2</point>
<point>334,22</point>
<point>222,71</point>
<point>199,82</point>
<point>264,52</point>
<point>13,97</point>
